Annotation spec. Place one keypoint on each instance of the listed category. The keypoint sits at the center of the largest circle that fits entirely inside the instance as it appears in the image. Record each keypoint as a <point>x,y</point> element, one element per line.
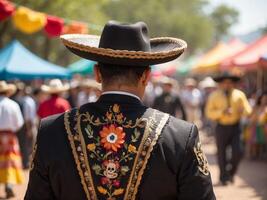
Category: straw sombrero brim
<point>9,88</point>
<point>163,50</point>
<point>51,90</point>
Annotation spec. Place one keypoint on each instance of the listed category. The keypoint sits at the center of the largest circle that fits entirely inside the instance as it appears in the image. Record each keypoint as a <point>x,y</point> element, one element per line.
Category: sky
<point>252,14</point>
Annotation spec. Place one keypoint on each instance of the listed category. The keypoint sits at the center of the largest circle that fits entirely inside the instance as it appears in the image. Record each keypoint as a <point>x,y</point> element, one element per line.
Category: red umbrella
<point>6,9</point>
<point>54,26</point>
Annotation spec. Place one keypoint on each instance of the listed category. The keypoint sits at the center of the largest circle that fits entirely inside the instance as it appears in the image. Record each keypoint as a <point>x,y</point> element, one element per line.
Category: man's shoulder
<point>178,131</point>
<point>239,93</point>
<point>11,104</point>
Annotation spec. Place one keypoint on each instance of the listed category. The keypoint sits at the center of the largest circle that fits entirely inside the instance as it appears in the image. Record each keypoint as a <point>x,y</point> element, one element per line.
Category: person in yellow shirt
<point>226,106</point>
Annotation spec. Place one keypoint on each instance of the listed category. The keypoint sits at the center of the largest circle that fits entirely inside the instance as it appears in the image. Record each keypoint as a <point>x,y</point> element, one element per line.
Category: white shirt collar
<point>121,93</point>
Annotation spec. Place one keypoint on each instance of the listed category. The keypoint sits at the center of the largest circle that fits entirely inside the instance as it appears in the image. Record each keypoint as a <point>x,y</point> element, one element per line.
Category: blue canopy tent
<point>17,62</point>
<point>82,66</point>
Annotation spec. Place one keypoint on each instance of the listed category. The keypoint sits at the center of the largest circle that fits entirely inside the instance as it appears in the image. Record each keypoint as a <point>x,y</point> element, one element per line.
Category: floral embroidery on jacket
<point>111,151</point>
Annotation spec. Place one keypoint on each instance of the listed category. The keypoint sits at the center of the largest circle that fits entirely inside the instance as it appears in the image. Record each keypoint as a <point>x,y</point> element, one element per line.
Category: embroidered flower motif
<point>109,116</point>
<point>102,190</point>
<point>118,191</point>
<point>91,147</point>
<point>105,181</point>
<point>112,137</point>
<point>132,149</point>
<point>119,117</point>
<point>116,108</point>
<point>116,183</point>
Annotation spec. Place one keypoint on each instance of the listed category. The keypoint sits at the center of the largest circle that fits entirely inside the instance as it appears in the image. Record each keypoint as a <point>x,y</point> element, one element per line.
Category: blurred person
<point>11,121</point>
<point>256,130</point>
<point>149,95</point>
<point>73,93</point>
<point>168,101</point>
<point>226,106</point>
<point>122,149</point>
<point>207,86</point>
<point>55,104</point>
<point>27,133</point>
<point>39,96</point>
<point>90,90</point>
<point>191,98</point>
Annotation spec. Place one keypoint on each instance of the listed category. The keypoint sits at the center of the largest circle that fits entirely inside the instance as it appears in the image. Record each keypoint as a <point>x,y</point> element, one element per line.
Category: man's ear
<point>146,76</point>
<point>97,74</point>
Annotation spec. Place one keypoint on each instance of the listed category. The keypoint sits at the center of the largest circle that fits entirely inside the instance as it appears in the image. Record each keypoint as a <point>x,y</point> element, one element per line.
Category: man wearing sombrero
<point>55,104</point>
<point>116,148</point>
<point>226,106</point>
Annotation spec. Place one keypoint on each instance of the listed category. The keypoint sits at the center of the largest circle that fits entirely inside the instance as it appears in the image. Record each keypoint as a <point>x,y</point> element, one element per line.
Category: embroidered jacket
<point>118,149</point>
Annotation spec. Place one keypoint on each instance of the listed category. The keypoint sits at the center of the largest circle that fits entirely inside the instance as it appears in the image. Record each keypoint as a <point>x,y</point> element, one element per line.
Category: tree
<point>178,18</point>
<point>223,18</point>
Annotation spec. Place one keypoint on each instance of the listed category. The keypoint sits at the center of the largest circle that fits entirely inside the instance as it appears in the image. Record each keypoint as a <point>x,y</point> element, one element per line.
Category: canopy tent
<point>17,62</point>
<point>263,61</point>
<point>248,58</point>
<point>210,62</point>
<point>82,66</point>
<point>168,68</point>
<point>186,65</point>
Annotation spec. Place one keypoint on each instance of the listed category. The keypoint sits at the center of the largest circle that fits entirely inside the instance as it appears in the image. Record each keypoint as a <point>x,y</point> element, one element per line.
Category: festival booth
<point>263,64</point>
<point>83,67</point>
<point>248,61</point>
<point>186,65</point>
<point>17,62</point>
<point>210,62</point>
<point>263,61</point>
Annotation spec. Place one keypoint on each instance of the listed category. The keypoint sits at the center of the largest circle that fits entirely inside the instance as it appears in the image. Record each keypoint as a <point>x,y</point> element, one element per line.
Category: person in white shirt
<point>191,98</point>
<point>11,121</point>
<point>90,92</point>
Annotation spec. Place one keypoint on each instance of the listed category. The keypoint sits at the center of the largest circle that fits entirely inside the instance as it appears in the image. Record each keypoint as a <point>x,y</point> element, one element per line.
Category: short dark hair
<point>128,75</point>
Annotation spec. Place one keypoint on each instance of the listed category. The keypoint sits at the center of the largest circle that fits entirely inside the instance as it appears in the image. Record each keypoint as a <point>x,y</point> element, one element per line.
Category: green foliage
<point>223,18</point>
<point>178,18</point>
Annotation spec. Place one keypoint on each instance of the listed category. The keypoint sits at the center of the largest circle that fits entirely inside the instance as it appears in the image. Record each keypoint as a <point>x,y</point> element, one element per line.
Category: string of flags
<point>29,21</point>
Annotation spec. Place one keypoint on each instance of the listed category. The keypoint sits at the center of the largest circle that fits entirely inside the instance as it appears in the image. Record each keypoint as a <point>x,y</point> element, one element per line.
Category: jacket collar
<point>118,98</point>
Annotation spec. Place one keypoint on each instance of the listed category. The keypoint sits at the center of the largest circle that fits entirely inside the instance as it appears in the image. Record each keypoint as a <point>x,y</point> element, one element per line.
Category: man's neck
<point>123,89</point>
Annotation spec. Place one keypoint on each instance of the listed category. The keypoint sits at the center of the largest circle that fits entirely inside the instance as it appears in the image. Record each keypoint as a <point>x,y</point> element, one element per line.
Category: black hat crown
<point>131,37</point>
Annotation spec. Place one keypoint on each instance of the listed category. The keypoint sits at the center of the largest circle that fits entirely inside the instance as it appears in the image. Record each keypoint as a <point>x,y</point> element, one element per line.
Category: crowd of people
<point>22,106</point>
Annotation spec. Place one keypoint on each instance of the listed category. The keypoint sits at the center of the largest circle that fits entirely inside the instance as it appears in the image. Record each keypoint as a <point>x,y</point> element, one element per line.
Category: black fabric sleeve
<point>194,180</point>
<point>39,187</point>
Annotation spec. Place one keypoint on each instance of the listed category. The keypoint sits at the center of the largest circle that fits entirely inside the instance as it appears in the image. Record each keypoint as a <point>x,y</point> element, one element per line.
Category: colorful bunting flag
<point>28,21</point>
<point>54,26</point>
<point>6,9</point>
<point>75,27</point>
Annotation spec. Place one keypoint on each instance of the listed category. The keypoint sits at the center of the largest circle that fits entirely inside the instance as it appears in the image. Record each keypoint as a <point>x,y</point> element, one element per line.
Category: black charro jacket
<point>176,168</point>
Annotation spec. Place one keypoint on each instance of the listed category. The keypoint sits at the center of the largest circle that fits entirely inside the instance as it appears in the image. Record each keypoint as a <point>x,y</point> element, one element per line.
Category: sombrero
<point>125,44</point>
<point>190,82</point>
<point>90,83</point>
<point>226,75</point>
<point>208,82</point>
<point>8,88</point>
<point>55,86</point>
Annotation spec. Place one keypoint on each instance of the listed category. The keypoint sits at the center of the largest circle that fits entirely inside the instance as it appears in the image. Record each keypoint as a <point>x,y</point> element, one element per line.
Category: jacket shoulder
<point>176,136</point>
